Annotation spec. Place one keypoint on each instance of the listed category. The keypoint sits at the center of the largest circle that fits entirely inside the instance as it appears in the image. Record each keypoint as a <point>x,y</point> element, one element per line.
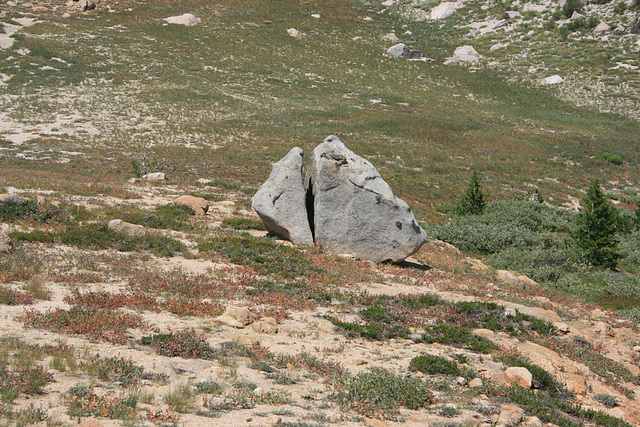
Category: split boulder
<point>281,201</point>
<point>354,210</point>
<point>344,207</point>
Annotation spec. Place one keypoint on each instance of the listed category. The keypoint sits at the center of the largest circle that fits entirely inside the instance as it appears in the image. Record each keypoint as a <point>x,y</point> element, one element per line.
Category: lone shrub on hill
<point>473,202</point>
<point>597,226</point>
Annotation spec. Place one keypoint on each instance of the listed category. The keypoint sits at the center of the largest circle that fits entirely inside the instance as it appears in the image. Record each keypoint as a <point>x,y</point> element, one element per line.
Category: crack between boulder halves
<point>310,205</point>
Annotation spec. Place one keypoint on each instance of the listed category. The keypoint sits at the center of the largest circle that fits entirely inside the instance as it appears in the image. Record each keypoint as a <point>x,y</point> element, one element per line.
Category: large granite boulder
<point>354,211</point>
<point>281,201</point>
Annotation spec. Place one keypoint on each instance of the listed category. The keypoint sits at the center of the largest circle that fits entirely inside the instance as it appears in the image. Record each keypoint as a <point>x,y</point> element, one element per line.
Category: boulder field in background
<point>344,204</point>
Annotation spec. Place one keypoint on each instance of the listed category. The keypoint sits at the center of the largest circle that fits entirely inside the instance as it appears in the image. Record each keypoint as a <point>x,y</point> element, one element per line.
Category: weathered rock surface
<point>6,244</point>
<point>126,229</point>
<point>281,201</point>
<point>198,205</point>
<point>354,209</point>
<point>187,19</point>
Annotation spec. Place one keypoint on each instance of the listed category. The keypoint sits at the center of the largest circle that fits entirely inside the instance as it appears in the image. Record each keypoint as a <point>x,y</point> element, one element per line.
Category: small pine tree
<point>597,225</point>
<point>473,202</point>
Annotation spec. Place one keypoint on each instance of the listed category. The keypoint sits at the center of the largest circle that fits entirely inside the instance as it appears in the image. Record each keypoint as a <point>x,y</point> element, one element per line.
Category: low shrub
<point>243,224</point>
<point>433,365</point>
<point>263,254</point>
<point>380,393</point>
<point>185,344</point>
<point>456,336</point>
<point>101,324</point>
<point>99,236</point>
<point>15,208</point>
<point>612,158</point>
<point>169,216</point>
<point>607,400</point>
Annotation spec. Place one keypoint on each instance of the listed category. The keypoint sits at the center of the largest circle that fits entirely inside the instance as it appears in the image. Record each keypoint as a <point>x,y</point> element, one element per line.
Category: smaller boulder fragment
<point>198,205</point>
<point>281,201</point>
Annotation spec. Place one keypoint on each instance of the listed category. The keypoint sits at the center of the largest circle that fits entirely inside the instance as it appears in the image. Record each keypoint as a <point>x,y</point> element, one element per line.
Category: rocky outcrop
<point>345,207</point>
<point>354,210</point>
<point>281,201</point>
<point>198,205</point>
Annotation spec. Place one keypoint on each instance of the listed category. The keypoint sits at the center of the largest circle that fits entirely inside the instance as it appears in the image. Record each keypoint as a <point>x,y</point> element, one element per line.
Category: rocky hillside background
<point>137,286</point>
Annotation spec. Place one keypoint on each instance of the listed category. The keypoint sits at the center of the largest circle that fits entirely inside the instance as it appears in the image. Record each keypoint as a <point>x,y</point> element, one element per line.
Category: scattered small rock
<point>512,14</point>
<point>476,382</point>
<point>497,46</point>
<point>81,5</point>
<point>154,176</point>
<point>519,376</point>
<point>6,244</point>
<point>466,54</point>
<point>187,19</point>
<point>198,205</point>
<point>236,317</point>
<point>295,33</point>
<point>390,37</point>
<point>126,229</point>
<point>444,10</point>
<point>553,80</point>
<point>265,325</point>
<point>400,50</point>
<point>509,416</point>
